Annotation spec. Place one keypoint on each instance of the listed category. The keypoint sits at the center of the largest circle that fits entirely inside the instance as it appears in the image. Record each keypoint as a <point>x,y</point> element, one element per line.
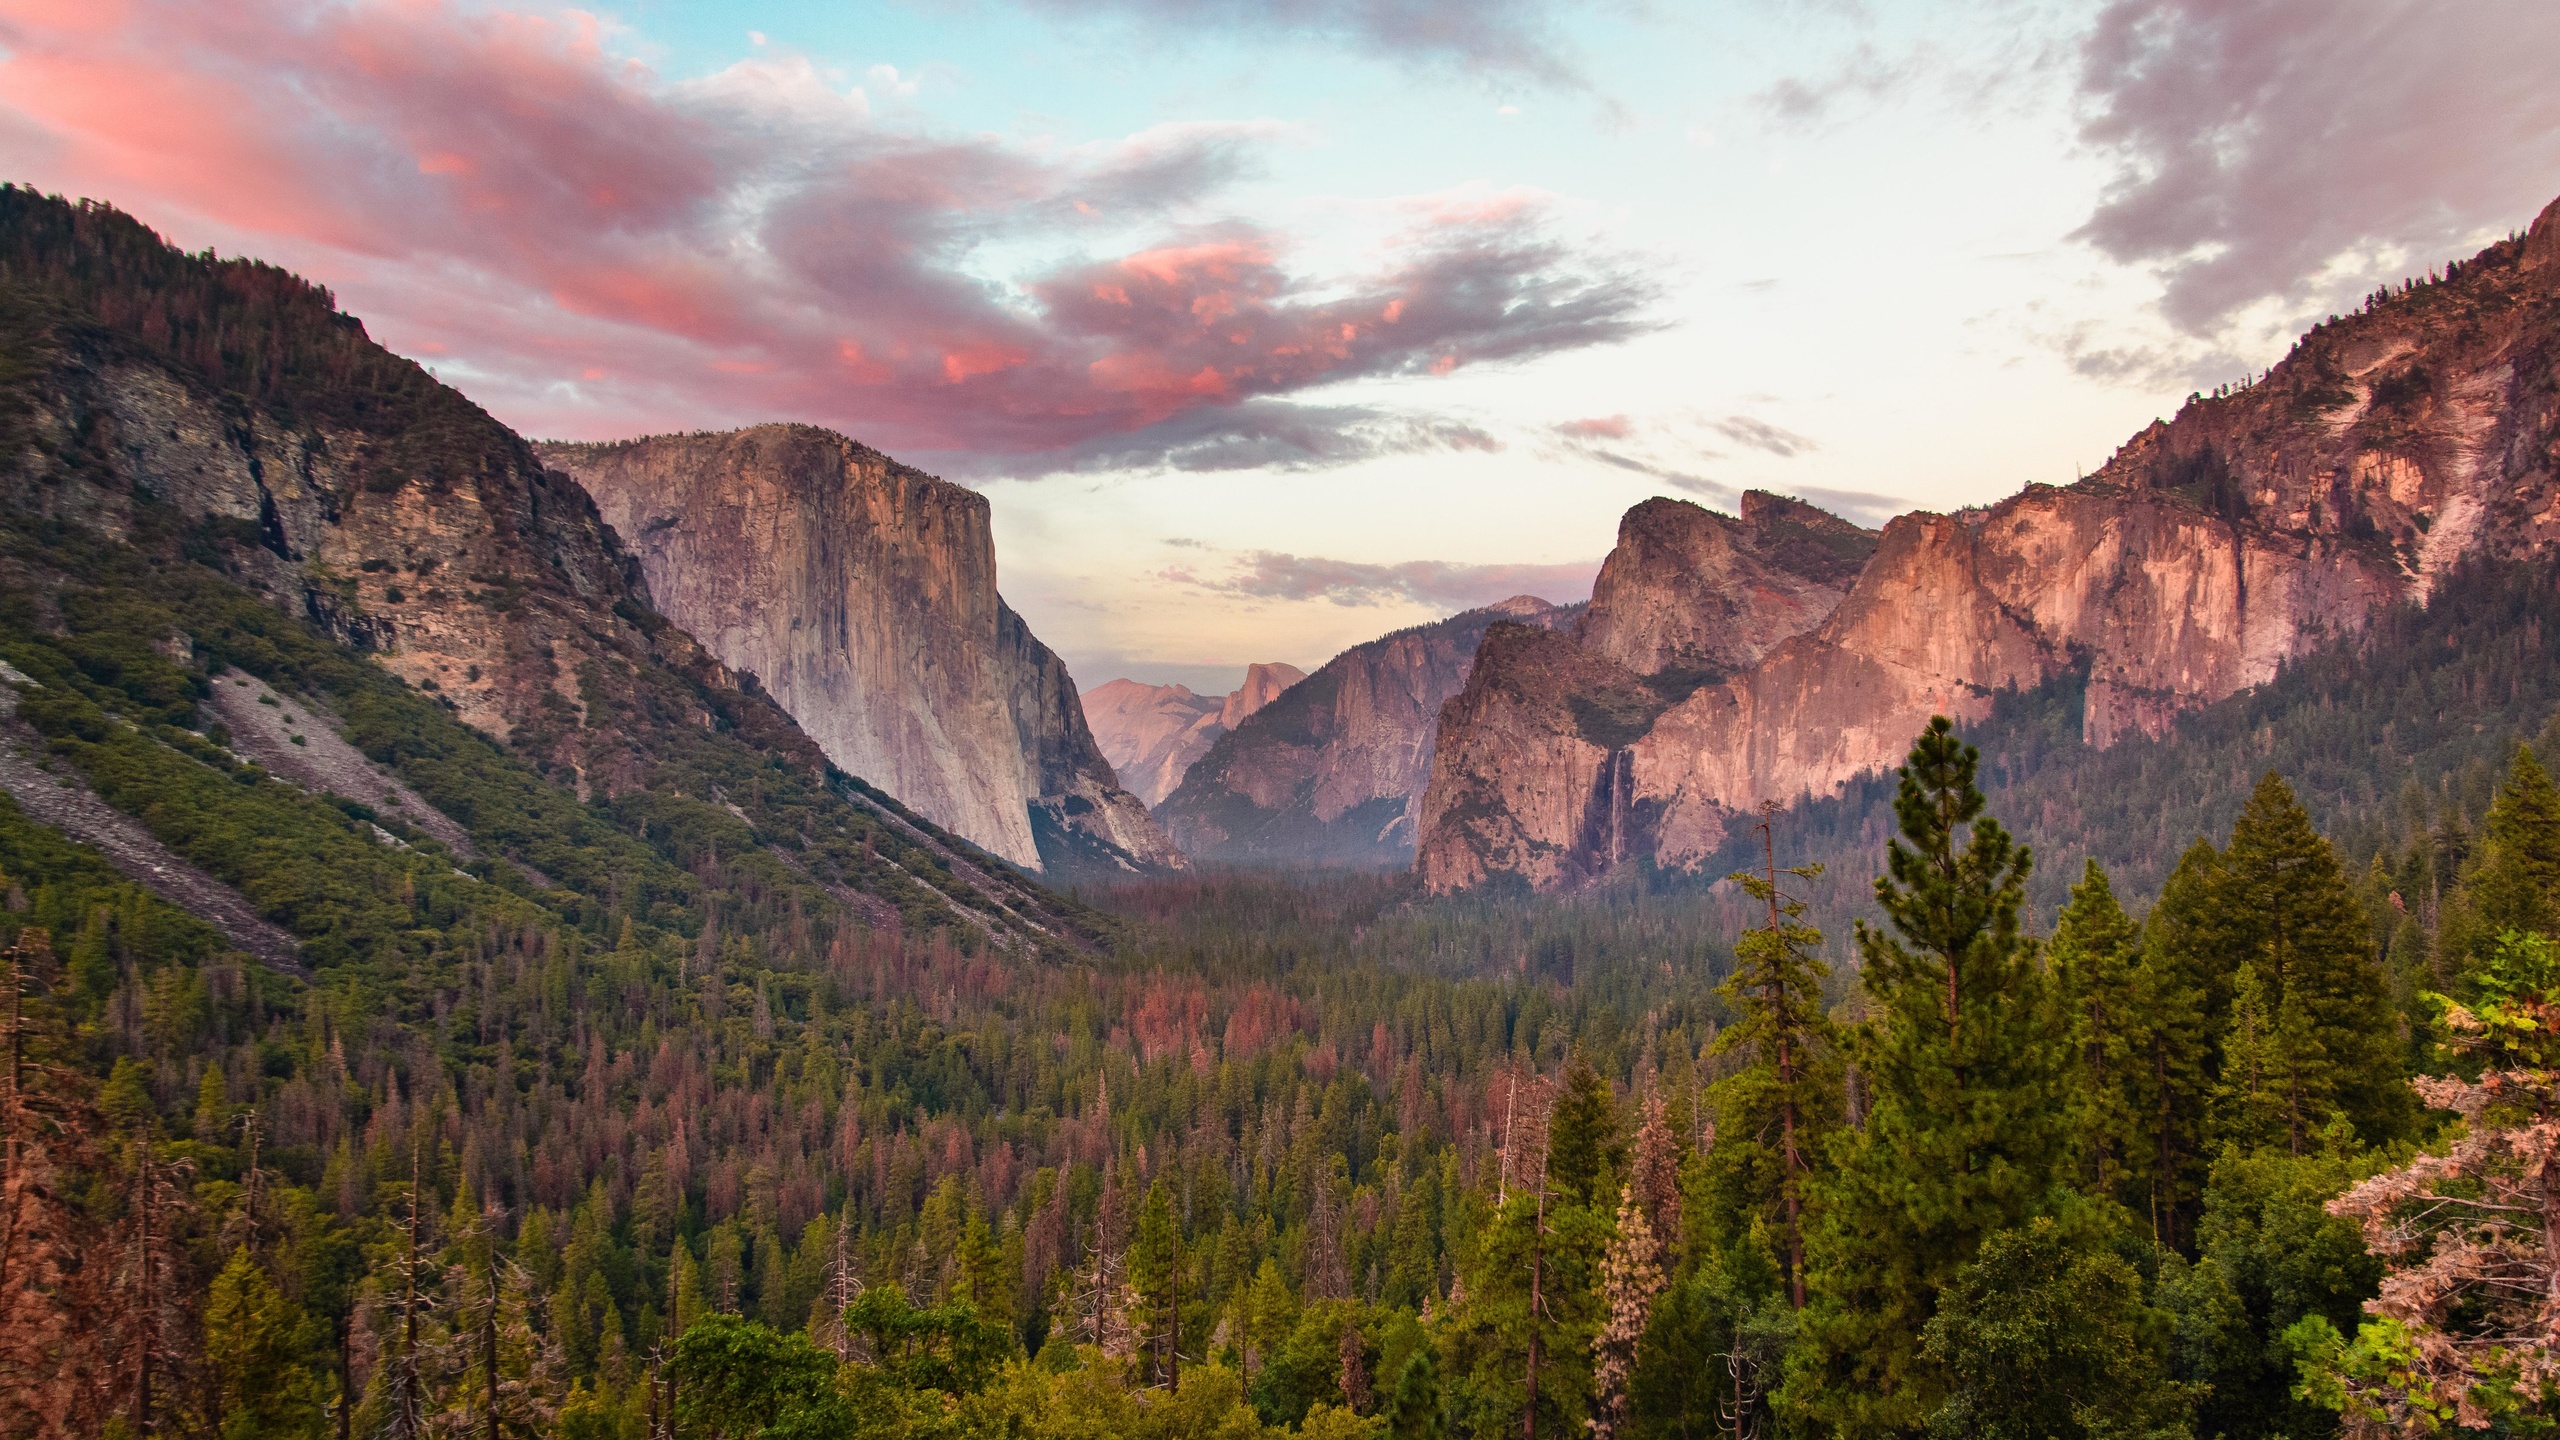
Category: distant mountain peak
<point>1153,733</point>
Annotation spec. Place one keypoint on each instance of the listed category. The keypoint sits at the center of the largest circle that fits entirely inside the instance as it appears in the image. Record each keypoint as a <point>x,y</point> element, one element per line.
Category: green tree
<point>254,1352</point>
<point>2514,883</point>
<point>2269,1256</point>
<point>1962,1139</point>
<point>737,1379</point>
<point>1533,1308</point>
<point>1583,1145</point>
<point>1774,1115</point>
<point>1413,1411</point>
<point>2283,905</point>
<point>1270,1313</point>
<point>2095,961</point>
<point>1413,1260</point>
<point>1155,1282</point>
<point>2183,994</point>
<point>1718,1341</point>
<point>986,1281</point>
<point>2046,1336</point>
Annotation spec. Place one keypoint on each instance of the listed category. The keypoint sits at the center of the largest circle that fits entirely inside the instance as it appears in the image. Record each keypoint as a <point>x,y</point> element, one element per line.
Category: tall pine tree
<point>1773,1116</point>
<point>2095,962</point>
<point>2184,995</point>
<point>1962,1137</point>
<point>2283,906</point>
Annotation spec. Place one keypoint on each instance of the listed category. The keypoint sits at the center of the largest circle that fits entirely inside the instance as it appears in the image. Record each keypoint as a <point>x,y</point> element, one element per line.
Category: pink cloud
<point>1599,427</point>
<point>504,190</point>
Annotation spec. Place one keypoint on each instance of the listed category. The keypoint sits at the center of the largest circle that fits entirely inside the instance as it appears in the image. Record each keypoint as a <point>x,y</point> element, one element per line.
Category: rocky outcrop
<point>1540,735</point>
<point>861,593</point>
<point>1535,774</point>
<point>1691,593</point>
<point>2258,523</point>
<point>1332,772</point>
<point>1152,733</point>
<point>231,424</point>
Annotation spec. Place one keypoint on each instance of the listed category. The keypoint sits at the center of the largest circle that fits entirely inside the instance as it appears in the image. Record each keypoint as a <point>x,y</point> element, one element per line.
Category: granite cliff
<point>861,593</point>
<point>1152,733</point>
<point>225,420</point>
<point>2211,549</point>
<point>1533,774</point>
<point>1332,771</point>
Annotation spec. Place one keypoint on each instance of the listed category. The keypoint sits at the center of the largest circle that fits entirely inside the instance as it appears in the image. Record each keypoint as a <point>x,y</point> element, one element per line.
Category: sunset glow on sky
<point>1270,327</point>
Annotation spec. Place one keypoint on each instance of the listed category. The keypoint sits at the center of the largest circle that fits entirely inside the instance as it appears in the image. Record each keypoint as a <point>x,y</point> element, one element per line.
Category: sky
<point>1269,326</point>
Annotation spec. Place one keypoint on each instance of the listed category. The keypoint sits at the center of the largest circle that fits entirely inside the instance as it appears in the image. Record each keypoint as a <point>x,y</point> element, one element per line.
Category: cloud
<point>1865,507</point>
<point>594,250</point>
<point>1517,41</point>
<point>1601,427</point>
<point>1636,446</point>
<point>1256,434</point>
<point>1441,584</point>
<point>2290,149</point>
<point>1763,436</point>
<point>1864,76</point>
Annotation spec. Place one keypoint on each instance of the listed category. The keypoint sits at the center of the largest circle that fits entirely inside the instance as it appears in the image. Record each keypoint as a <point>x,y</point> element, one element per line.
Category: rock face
<point>1691,593</point>
<point>862,594</point>
<point>1535,772</point>
<point>2383,450</point>
<point>1332,771</point>
<point>1152,733</point>
<point>301,462</point>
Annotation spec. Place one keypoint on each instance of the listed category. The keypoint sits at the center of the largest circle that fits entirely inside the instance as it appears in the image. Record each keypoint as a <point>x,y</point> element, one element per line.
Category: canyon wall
<point>1533,774</point>
<point>1152,733</point>
<point>2387,447</point>
<point>1332,771</point>
<point>861,593</point>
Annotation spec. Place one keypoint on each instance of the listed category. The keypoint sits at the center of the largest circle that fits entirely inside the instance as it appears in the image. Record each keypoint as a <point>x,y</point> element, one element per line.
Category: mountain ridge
<point>2387,447</point>
<point>224,420</point>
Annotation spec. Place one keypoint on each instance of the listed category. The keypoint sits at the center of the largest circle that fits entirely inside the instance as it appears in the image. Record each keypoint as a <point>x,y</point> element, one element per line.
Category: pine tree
<point>1154,1282</point>
<point>1270,1314</point>
<point>1413,1413</point>
<point>2515,883</point>
<point>1775,1113</point>
<point>1583,1148</point>
<point>253,1343</point>
<point>1413,1264</point>
<point>2183,994</point>
<point>2095,960</point>
<point>2283,904</point>
<point>1962,1139</point>
<point>2249,1107</point>
<point>1531,1310</point>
